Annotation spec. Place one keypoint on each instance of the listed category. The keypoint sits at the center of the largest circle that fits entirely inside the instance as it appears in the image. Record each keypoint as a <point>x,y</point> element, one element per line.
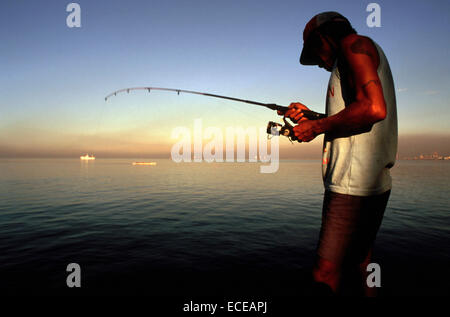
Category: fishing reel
<point>275,128</point>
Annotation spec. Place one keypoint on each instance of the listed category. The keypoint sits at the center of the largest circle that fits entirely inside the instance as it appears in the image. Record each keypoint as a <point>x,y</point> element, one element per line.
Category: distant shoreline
<point>169,159</point>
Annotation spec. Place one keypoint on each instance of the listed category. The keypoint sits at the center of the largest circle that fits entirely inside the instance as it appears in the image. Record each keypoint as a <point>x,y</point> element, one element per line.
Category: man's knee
<point>325,270</point>
<point>326,276</point>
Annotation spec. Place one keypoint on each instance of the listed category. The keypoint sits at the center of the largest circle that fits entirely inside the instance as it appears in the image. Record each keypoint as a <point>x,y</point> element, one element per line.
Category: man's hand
<point>308,130</point>
<point>294,112</point>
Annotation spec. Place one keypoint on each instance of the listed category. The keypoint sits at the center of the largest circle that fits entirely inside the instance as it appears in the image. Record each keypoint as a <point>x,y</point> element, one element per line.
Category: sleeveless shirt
<point>359,164</point>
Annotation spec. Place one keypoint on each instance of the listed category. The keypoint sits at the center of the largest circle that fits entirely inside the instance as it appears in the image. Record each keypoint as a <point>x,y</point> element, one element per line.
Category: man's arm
<point>368,106</point>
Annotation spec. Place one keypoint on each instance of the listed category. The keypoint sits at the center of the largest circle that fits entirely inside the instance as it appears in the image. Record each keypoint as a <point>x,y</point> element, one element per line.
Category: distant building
<point>434,156</point>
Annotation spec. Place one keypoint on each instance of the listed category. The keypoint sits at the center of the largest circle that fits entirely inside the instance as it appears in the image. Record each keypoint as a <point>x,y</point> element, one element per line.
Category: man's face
<point>322,49</point>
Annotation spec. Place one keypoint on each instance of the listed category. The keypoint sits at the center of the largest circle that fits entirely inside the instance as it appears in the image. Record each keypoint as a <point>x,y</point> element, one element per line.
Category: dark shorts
<point>349,226</point>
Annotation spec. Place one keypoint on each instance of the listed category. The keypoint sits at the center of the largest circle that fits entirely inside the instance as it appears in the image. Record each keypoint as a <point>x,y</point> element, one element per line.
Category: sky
<point>54,78</point>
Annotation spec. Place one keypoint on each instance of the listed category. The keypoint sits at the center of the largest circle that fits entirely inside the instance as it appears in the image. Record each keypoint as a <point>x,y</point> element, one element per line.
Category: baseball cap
<point>308,57</point>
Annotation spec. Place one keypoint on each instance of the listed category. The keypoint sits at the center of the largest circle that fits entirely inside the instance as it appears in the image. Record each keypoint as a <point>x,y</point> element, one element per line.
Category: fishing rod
<point>285,129</point>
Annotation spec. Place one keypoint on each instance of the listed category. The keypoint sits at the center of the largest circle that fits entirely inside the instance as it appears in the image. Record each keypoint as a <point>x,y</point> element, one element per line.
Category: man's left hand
<point>307,130</point>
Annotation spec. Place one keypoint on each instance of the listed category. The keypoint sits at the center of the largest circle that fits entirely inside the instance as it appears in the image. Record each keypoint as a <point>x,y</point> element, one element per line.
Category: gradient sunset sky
<point>54,78</point>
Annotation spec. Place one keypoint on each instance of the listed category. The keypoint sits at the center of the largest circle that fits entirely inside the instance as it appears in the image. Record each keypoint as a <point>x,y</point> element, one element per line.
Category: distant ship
<point>87,157</point>
<point>144,163</point>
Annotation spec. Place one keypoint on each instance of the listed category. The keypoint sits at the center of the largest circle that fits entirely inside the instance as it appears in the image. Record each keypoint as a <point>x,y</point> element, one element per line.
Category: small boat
<point>87,157</point>
<point>144,163</point>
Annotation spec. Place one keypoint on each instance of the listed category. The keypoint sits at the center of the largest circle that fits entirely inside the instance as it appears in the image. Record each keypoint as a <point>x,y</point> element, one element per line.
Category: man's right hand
<point>295,112</point>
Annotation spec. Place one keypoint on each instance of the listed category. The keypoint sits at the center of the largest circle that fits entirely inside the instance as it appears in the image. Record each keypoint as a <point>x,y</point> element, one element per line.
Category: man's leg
<point>333,240</point>
<point>375,208</point>
<point>368,291</point>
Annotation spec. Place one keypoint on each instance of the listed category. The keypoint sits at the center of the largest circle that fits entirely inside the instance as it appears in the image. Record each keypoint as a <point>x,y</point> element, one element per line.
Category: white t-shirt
<point>359,164</point>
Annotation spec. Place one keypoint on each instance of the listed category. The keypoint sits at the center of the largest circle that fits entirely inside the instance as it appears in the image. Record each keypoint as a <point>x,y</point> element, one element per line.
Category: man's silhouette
<point>360,143</point>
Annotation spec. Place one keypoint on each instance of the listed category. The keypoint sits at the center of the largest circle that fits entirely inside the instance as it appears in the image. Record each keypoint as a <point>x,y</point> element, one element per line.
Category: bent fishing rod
<point>285,129</point>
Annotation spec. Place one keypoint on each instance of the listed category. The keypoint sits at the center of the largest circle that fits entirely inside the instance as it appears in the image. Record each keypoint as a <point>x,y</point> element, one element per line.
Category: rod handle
<point>309,114</point>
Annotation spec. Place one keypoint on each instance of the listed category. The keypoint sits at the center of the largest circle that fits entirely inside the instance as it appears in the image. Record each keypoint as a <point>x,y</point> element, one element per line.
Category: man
<point>360,143</point>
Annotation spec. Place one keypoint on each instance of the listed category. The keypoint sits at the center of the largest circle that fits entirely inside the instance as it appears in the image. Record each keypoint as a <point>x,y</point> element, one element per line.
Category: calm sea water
<point>199,228</point>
